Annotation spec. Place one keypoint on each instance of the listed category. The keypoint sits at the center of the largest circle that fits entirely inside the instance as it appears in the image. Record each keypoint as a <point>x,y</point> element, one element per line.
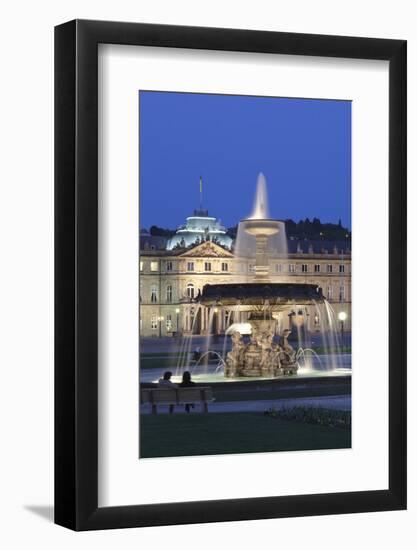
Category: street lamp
<point>342,318</point>
<point>160,319</point>
<point>177,311</point>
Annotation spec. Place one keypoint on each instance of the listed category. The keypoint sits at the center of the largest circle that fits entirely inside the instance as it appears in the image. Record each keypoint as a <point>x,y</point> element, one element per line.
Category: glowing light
<point>342,316</point>
<point>243,328</point>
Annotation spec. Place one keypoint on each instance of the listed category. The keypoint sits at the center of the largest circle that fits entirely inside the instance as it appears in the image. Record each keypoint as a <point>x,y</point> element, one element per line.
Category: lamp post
<point>177,311</point>
<point>342,318</point>
<point>160,319</point>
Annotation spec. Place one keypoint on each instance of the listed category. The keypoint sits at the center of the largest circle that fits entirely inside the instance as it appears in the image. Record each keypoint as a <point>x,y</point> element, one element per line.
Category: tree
<point>160,232</point>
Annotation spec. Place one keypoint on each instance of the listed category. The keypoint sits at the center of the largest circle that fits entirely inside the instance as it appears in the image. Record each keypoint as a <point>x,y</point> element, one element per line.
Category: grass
<point>225,433</point>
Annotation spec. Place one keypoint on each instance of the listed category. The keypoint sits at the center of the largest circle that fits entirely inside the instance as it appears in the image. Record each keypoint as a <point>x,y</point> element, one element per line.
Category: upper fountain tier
<point>259,236</point>
<point>259,228</point>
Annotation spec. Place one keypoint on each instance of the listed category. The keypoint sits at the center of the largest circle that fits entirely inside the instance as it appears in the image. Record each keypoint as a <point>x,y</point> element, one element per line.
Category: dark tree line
<point>313,230</point>
<point>304,229</point>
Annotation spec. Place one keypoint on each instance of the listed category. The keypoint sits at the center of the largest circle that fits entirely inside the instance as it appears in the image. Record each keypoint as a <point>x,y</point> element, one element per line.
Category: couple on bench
<point>186,382</point>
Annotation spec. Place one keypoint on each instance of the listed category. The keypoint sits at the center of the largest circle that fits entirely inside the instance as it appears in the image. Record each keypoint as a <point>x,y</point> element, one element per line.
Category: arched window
<point>190,291</point>
<point>154,293</point>
<point>169,293</point>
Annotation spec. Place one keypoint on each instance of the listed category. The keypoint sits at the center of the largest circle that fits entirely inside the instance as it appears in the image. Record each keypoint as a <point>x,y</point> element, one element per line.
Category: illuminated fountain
<point>268,354</point>
<point>264,323</point>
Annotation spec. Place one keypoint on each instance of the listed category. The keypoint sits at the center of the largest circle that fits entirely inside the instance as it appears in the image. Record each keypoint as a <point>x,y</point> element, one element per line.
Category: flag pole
<point>201,193</point>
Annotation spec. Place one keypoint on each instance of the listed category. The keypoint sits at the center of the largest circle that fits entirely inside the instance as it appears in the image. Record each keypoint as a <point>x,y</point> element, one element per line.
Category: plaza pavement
<point>336,402</point>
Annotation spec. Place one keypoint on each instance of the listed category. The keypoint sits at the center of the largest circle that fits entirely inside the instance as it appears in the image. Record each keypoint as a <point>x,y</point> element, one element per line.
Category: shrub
<point>313,415</point>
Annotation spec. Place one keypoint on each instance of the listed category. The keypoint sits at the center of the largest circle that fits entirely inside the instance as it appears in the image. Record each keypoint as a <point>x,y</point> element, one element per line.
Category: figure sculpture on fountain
<point>287,354</point>
<point>262,356</point>
<point>234,358</point>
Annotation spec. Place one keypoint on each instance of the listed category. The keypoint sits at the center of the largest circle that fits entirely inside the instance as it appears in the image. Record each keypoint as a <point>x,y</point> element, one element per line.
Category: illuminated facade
<point>171,279</point>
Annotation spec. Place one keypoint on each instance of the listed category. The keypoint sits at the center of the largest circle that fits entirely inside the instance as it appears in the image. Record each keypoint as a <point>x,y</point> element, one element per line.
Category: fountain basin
<point>261,228</point>
<point>257,294</point>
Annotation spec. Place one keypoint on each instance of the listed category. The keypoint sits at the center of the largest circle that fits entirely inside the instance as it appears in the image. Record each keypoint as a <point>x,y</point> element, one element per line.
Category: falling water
<point>229,318</point>
<point>333,336</point>
<point>184,354</point>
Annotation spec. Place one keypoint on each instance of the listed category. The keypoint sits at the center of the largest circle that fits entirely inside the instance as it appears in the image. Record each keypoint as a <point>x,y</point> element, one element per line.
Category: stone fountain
<point>265,355</point>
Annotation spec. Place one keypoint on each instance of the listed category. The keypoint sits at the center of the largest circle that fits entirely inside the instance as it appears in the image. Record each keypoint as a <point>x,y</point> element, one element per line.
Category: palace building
<point>173,271</point>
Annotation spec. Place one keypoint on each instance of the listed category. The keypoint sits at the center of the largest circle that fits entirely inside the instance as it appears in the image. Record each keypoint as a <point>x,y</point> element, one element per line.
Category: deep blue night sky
<point>302,146</point>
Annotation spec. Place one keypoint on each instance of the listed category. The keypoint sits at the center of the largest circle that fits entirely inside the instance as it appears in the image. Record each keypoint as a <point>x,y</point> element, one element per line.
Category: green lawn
<point>223,433</point>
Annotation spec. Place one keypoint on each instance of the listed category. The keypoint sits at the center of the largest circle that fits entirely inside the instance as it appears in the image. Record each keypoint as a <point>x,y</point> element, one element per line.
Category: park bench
<point>177,396</point>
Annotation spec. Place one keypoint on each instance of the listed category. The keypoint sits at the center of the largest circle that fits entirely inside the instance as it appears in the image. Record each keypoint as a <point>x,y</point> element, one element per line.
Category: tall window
<point>154,293</point>
<point>304,268</point>
<point>225,266</point>
<point>317,268</point>
<point>329,268</point>
<point>141,266</point>
<point>190,291</point>
<point>207,266</point>
<point>190,266</point>
<point>251,268</point>
<point>278,268</point>
<point>341,268</point>
<point>154,322</point>
<point>168,322</point>
<point>169,293</point>
<point>154,266</point>
<point>341,293</point>
<point>291,268</point>
<point>169,266</point>
<point>226,317</point>
<point>329,292</point>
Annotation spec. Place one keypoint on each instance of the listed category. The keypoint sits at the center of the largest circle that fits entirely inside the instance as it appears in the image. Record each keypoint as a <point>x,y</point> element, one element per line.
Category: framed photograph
<point>230,275</point>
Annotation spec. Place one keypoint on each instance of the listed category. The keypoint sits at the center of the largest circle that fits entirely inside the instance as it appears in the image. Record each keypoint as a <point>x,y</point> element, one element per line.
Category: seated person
<point>166,382</point>
<point>187,383</point>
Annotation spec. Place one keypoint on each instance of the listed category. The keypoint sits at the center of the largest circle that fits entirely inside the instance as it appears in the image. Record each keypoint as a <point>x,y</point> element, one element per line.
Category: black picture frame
<point>76,272</point>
